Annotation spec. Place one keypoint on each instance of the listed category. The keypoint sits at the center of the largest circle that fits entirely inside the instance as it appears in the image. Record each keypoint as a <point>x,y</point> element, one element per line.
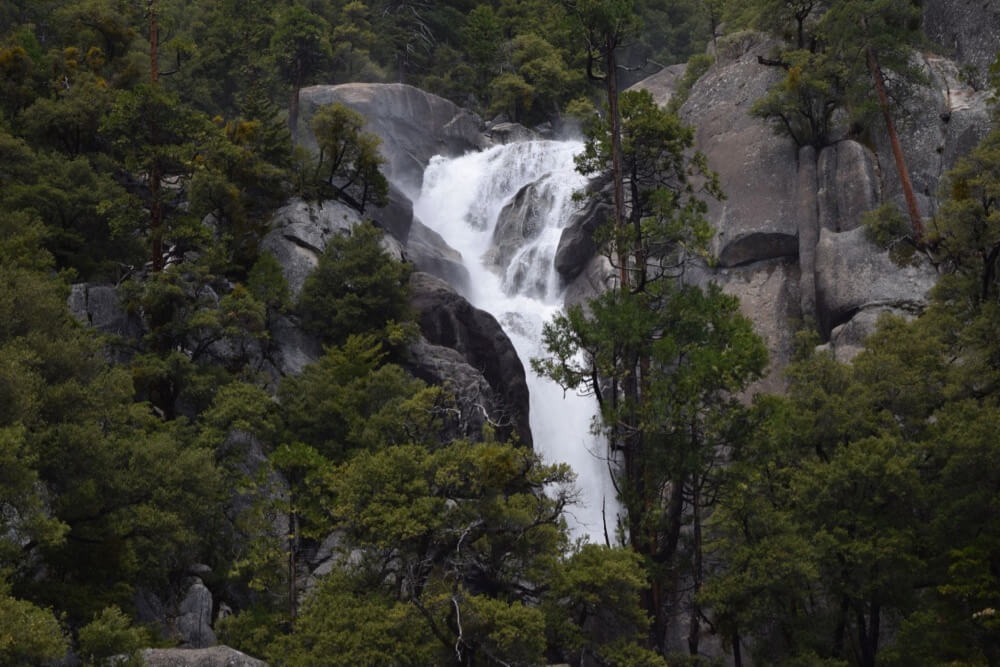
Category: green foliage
<point>966,232</point>
<point>366,628</point>
<point>110,635</point>
<point>29,635</point>
<point>349,164</point>
<point>663,359</point>
<point>355,289</point>
<point>802,105</point>
<point>697,65</point>
<point>888,229</point>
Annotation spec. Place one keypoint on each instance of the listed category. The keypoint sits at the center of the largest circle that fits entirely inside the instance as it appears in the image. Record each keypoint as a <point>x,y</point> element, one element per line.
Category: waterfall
<point>504,210</point>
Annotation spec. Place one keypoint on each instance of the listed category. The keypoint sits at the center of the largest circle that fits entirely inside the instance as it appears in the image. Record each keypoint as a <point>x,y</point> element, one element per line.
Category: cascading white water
<point>462,200</point>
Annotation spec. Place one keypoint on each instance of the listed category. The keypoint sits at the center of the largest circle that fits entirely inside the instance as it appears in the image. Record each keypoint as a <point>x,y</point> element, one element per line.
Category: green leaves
<point>355,289</point>
<point>349,165</point>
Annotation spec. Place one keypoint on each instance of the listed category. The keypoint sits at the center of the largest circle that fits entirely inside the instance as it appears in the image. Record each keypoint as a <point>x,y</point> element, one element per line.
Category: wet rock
<point>576,244</point>
<point>448,320</point>
<point>596,277</point>
<point>520,221</point>
<point>508,133</point>
<point>431,254</point>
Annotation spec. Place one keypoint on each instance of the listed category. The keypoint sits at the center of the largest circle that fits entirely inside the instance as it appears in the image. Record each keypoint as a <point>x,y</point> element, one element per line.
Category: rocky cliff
<point>789,240</point>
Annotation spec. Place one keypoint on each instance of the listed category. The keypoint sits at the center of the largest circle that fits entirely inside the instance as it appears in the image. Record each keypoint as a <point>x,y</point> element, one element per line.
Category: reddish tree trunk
<point>611,81</point>
<point>897,150</point>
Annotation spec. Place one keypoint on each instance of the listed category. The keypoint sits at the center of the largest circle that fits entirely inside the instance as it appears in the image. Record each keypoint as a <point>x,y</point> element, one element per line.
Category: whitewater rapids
<point>462,200</point>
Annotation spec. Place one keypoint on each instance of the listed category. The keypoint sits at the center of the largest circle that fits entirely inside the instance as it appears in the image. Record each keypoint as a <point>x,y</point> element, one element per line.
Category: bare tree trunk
<point>897,150</point>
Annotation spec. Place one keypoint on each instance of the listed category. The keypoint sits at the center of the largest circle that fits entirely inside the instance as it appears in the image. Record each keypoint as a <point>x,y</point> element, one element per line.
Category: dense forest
<point>145,145</point>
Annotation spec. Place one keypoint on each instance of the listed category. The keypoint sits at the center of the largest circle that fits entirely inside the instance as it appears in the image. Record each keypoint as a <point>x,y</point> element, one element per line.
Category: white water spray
<point>512,277</point>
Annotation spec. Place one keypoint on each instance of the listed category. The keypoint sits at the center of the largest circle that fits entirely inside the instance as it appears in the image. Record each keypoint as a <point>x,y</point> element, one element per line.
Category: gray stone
<point>217,656</point>
<point>848,183</point>
<point>848,339</point>
<point>447,319</point>
<point>431,254</point>
<point>521,220</point>
<point>396,217</point>
<point>757,168</point>
<point>194,617</point>
<point>769,297</point>
<point>475,400</point>
<point>597,276</point>
<point>576,244</point>
<point>808,213</point>
<point>852,274</point>
<point>299,233</point>
<point>944,120</point>
<point>100,307</point>
<point>508,133</point>
<point>968,30</point>
<point>663,84</point>
<point>293,349</point>
<point>414,125</point>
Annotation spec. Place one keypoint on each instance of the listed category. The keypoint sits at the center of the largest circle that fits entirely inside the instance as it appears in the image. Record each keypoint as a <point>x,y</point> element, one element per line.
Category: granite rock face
<point>663,84</point>
<point>789,236</point>
<point>100,307</point>
<point>576,243</point>
<point>852,275</point>
<point>431,254</point>
<point>757,168</point>
<point>217,656</point>
<point>300,231</point>
<point>446,319</point>
<point>194,617</point>
<point>414,125</point>
<point>520,221</point>
<point>967,30</point>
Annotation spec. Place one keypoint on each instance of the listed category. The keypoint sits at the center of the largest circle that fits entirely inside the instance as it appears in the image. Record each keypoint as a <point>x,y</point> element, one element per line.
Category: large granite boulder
<point>100,307</point>
<point>521,220</point>
<point>476,402</point>
<point>194,617</point>
<point>663,84</point>
<point>576,243</point>
<point>967,30</point>
<point>414,125</point>
<point>448,320</point>
<point>217,656</point>
<point>300,231</point>
<point>757,168</point>
<point>853,275</point>
<point>430,253</point>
